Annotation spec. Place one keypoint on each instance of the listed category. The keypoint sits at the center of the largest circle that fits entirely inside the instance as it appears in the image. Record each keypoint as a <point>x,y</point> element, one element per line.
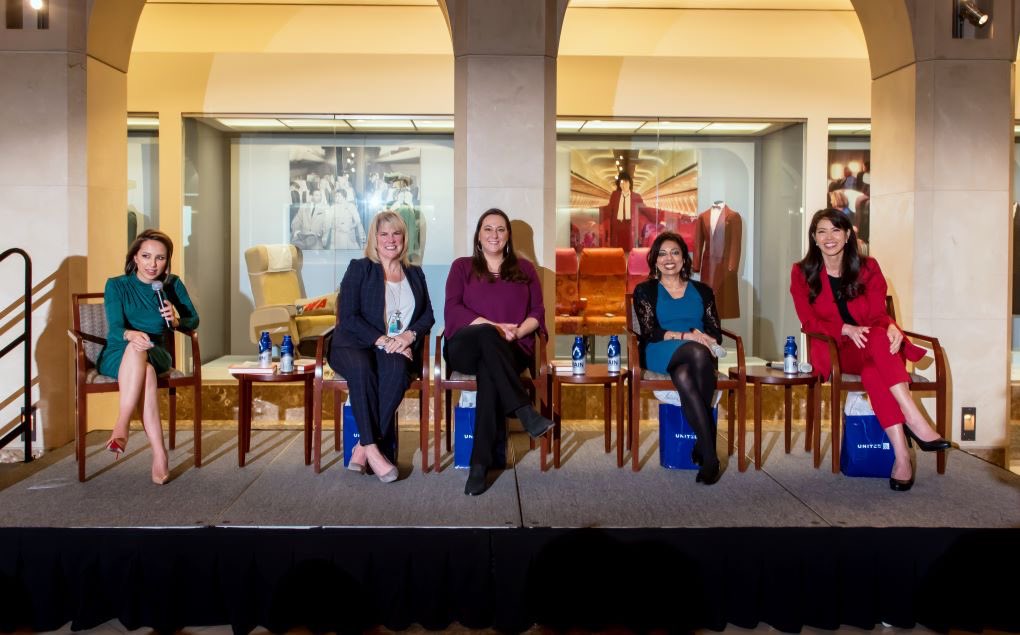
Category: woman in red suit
<point>841,294</point>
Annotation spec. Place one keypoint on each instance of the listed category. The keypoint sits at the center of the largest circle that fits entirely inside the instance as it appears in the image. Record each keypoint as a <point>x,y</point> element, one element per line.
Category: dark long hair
<point>149,234</point>
<point>510,270</point>
<point>653,255</point>
<point>813,266</point>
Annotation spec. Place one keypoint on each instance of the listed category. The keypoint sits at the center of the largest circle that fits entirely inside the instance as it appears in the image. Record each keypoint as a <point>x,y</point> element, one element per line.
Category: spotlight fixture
<point>36,4</point>
<point>969,11</point>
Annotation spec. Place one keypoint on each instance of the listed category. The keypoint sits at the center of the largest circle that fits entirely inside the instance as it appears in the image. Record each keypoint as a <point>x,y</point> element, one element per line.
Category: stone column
<point>942,149</point>
<point>505,117</point>
<point>43,202</point>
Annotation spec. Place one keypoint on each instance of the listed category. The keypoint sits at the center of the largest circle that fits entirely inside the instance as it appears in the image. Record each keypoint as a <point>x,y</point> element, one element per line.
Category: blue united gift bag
<point>676,438</point>
<point>464,440</point>
<point>866,450</point>
<point>352,436</point>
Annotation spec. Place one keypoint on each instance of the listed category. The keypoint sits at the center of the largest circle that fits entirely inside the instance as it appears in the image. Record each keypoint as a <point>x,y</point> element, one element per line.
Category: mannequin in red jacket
<point>620,219</point>
<point>841,294</point>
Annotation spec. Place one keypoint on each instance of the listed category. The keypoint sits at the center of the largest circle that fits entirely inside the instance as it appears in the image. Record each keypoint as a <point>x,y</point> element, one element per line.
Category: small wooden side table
<point>758,375</point>
<point>244,402</point>
<point>594,374</point>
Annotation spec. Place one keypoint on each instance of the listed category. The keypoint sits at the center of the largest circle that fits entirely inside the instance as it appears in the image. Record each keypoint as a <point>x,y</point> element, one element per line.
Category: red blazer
<point>624,233</point>
<point>822,316</point>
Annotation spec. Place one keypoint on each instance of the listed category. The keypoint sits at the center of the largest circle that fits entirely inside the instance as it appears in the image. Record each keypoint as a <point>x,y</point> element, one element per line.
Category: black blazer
<point>646,296</point>
<point>361,305</point>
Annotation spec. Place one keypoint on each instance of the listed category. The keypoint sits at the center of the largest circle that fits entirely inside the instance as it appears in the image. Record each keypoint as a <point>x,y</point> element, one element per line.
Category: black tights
<point>692,369</point>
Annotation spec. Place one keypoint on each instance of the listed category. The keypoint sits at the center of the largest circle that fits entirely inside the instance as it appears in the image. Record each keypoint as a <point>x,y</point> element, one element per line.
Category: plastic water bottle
<point>718,351</point>
<point>613,354</point>
<point>577,362</point>
<point>790,356</point>
<point>287,355</point>
<point>265,350</point>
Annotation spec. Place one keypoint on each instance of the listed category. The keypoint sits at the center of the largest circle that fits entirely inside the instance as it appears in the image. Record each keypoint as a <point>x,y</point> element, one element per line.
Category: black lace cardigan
<point>646,295</point>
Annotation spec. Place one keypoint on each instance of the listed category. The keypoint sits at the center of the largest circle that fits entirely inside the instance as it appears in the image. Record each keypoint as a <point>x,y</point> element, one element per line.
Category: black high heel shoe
<point>897,485</point>
<point>925,446</point>
<point>709,475</point>
<point>476,480</point>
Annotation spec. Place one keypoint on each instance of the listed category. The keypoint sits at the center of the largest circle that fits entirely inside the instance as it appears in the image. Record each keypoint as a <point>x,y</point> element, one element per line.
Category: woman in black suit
<point>385,314</point>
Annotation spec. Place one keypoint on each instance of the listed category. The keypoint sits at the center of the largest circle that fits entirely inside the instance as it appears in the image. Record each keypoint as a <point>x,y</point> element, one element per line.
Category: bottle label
<point>790,365</point>
<point>287,363</point>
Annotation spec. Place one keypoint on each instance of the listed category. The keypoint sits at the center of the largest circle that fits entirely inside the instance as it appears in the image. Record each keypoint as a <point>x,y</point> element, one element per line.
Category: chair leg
<point>940,427</point>
<point>80,440</point>
<point>437,421</point>
<point>731,418</point>
<point>173,418</point>
<point>338,416</point>
<point>423,426</point>
<point>449,421</point>
<point>835,412</point>
<point>317,428</point>
<point>198,426</point>
<point>635,425</point>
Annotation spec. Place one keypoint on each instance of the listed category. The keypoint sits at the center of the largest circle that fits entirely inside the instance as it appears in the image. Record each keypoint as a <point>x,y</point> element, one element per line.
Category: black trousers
<point>480,350</point>
<point>377,382</point>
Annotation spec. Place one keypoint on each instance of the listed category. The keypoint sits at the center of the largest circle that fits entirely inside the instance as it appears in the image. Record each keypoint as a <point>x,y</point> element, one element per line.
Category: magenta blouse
<point>467,298</point>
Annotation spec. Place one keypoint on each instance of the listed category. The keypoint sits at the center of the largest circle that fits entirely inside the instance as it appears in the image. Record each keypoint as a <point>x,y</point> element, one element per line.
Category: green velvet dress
<point>131,305</point>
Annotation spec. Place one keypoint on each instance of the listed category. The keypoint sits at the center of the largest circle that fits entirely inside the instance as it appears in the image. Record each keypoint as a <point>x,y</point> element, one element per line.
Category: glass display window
<point>622,183</point>
<point>281,183</point>
<point>143,174</point>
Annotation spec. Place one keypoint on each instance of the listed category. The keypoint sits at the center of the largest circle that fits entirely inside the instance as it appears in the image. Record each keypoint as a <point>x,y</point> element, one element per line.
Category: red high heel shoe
<point>117,445</point>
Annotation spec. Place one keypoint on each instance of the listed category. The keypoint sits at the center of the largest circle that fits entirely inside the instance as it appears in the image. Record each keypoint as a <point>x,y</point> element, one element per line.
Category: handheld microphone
<point>157,286</point>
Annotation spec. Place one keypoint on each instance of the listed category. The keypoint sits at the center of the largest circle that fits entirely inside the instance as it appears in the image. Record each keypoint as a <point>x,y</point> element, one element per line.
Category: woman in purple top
<point>493,310</point>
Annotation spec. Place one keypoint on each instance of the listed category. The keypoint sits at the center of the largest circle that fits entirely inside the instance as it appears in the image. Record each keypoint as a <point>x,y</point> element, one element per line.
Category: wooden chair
<point>89,337</point>
<point>338,385</point>
<point>841,383</point>
<point>445,381</point>
<point>641,379</point>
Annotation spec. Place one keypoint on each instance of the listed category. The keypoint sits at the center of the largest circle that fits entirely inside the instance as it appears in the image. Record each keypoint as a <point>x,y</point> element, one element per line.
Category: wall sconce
<point>968,11</point>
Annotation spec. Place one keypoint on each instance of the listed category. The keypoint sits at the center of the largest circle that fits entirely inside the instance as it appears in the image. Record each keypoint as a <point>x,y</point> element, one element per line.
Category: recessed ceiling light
<point>252,123</point>
<point>445,125</point>
<point>611,126</point>
<point>381,124</point>
<point>735,126</point>
<point>316,124</point>
<point>673,126</point>
<point>143,123</point>
<point>850,127</point>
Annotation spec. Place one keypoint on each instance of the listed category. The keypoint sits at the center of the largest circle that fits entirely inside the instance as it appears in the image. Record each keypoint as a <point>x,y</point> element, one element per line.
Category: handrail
<point>27,423</point>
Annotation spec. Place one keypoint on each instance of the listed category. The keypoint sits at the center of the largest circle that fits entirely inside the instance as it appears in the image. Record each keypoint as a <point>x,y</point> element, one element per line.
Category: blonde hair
<point>372,245</point>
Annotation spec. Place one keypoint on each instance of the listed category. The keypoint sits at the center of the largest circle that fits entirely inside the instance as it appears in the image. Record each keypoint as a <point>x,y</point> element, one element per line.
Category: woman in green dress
<point>134,351</point>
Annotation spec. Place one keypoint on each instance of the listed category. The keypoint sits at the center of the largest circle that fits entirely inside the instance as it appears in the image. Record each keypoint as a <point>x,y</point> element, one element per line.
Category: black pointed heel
<point>476,480</point>
<point>925,446</point>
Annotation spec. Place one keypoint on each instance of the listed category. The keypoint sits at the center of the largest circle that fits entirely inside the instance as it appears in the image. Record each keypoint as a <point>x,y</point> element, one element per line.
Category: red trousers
<point>879,370</point>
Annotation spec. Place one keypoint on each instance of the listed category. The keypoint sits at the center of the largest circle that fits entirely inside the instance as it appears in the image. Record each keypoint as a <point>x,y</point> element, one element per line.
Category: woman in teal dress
<point>134,351</point>
<point>679,325</point>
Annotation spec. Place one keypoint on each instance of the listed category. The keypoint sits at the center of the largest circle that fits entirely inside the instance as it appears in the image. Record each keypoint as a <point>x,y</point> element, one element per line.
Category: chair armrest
<point>425,356</point>
<point>835,373</point>
<point>321,341</point>
<point>741,358</point>
<point>196,356</point>
<point>936,351</point>
<point>437,364</point>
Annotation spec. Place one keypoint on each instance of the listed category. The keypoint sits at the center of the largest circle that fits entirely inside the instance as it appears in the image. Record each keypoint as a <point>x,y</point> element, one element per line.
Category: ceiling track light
<point>969,11</point>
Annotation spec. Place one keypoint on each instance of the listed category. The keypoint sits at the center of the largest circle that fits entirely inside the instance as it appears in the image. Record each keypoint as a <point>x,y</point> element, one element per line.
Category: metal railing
<point>27,422</point>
